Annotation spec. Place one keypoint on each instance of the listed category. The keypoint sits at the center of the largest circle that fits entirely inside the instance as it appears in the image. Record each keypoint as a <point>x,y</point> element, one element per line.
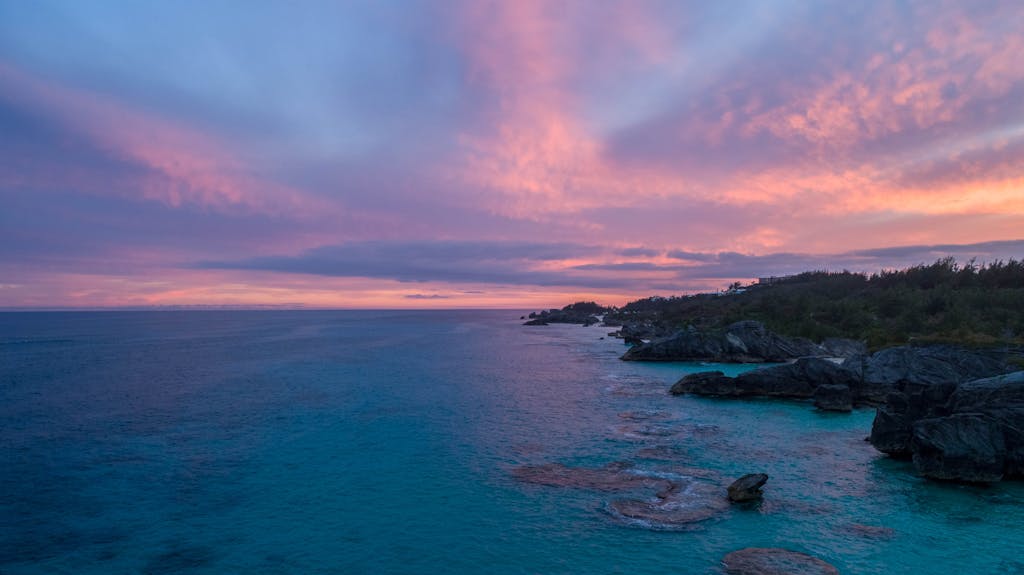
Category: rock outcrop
<point>919,382</point>
<point>860,380</point>
<point>969,431</point>
<point>747,488</point>
<point>636,333</point>
<point>796,380</point>
<point>741,342</point>
<point>841,347</point>
<point>773,561</point>
<point>583,317</point>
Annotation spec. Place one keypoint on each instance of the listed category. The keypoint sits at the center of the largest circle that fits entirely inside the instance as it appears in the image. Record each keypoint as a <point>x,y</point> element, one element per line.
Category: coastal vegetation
<point>968,304</point>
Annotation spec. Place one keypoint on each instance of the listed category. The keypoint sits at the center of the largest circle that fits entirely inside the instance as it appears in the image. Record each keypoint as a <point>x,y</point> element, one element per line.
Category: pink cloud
<point>182,165</point>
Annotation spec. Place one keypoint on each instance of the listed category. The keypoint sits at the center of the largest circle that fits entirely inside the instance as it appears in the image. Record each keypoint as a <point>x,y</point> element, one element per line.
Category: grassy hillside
<point>943,301</point>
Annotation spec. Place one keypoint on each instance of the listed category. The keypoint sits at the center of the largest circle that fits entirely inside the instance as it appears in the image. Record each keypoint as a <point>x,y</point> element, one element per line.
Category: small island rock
<point>748,487</point>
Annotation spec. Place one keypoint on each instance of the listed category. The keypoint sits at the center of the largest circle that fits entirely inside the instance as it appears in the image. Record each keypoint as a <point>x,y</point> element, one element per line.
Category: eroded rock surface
<point>689,502</point>
<point>960,431</point>
<point>676,497</point>
<point>774,561</point>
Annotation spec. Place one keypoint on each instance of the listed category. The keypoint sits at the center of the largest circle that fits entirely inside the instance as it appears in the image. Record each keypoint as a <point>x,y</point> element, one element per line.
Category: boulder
<point>748,487</point>
<point>704,383</point>
<point>833,398</point>
<point>773,561</point>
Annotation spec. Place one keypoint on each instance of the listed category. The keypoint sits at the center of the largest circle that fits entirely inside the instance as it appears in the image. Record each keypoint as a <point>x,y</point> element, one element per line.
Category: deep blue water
<point>387,442</point>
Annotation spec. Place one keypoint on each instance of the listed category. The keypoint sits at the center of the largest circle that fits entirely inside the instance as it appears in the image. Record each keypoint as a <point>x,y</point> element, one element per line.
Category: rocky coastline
<point>955,412</point>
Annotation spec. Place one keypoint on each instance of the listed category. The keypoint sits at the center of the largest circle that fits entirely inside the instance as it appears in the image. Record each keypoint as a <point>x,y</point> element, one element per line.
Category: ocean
<point>405,442</point>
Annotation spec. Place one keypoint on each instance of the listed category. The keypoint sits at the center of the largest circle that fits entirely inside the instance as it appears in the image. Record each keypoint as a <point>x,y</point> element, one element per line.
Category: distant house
<point>772,280</point>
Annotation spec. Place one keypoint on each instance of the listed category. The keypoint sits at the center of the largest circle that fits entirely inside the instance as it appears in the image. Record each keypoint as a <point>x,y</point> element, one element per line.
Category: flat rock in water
<point>774,561</point>
<point>686,503</point>
<point>612,477</point>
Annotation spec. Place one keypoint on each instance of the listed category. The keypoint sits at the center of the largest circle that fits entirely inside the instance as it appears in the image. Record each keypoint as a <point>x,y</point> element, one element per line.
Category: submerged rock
<point>774,561</point>
<point>686,503</point>
<point>585,313</point>
<point>748,487</point>
<point>612,477</point>
<point>871,531</point>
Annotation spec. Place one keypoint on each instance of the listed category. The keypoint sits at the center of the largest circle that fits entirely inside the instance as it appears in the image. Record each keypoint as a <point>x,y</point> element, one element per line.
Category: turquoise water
<point>386,442</point>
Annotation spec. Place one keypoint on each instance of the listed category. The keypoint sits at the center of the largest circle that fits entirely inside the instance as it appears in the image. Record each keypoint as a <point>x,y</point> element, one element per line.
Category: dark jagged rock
<point>925,365</point>
<point>635,333</point>
<point>920,380</point>
<point>797,380</point>
<point>833,398</point>
<point>584,313</point>
<point>971,431</point>
<point>704,383</point>
<point>741,342</point>
<point>843,348</point>
<point>748,487</point>
<point>773,561</point>
<point>928,372</point>
<point>961,447</point>
<point>632,340</point>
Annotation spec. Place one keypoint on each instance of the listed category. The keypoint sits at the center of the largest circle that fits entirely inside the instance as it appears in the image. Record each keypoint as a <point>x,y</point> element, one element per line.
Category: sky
<point>518,154</point>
